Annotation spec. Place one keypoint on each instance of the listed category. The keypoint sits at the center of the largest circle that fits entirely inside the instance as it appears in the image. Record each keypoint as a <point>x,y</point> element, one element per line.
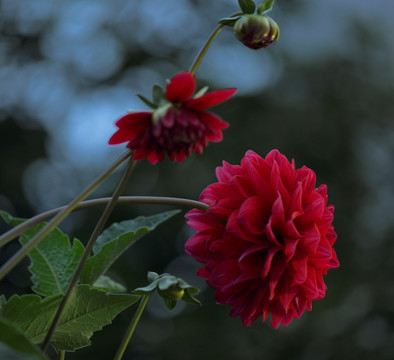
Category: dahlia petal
<point>153,157</point>
<point>121,136</point>
<point>310,240</point>
<point>224,273</point>
<point>233,228</point>
<point>210,99</point>
<point>308,179</point>
<point>242,185</point>
<point>287,294</point>
<point>253,215</point>
<point>230,246</point>
<point>214,125</point>
<point>223,208</point>
<point>310,284</point>
<point>277,270</point>
<point>239,284</point>
<point>132,119</point>
<point>300,267</point>
<point>267,264</point>
<point>168,120</point>
<point>299,306</point>
<point>290,247</point>
<point>295,208</point>
<point>257,178</point>
<point>204,272</point>
<point>277,184</point>
<point>313,211</point>
<point>217,191</point>
<point>181,87</point>
<point>271,236</point>
<point>251,259</point>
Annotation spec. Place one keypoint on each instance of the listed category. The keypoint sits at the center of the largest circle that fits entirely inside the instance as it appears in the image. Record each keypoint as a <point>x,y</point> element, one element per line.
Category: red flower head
<point>179,124</point>
<point>266,239</point>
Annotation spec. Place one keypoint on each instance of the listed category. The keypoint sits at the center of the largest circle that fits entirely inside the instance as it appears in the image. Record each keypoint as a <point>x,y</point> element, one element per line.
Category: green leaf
<point>8,218</point>
<point>265,7</point>
<point>158,94</point>
<point>53,260</point>
<point>87,311</point>
<point>229,21</point>
<point>146,101</point>
<point>169,303</point>
<point>247,6</point>
<point>15,345</point>
<point>115,240</point>
<point>107,284</point>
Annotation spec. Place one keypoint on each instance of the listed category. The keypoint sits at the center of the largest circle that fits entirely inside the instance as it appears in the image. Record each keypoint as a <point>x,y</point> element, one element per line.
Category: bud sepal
<point>170,288</point>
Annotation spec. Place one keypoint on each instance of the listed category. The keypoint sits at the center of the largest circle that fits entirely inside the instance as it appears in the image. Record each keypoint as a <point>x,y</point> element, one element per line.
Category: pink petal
<point>181,87</point>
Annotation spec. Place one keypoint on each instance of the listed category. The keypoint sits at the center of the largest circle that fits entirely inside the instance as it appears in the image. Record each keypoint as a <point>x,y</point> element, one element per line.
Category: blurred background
<point>323,95</point>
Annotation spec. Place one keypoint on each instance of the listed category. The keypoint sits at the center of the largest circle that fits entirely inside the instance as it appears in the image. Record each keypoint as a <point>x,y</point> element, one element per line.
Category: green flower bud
<point>174,292</point>
<point>256,31</point>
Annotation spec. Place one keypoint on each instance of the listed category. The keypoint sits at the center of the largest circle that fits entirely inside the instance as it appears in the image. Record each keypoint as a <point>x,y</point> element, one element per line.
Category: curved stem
<point>18,256</point>
<point>89,247</point>
<point>130,330</point>
<point>206,46</point>
<point>148,200</point>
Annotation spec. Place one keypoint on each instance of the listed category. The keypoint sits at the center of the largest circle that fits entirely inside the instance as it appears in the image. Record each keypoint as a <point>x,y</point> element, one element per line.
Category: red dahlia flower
<point>179,124</point>
<point>266,239</point>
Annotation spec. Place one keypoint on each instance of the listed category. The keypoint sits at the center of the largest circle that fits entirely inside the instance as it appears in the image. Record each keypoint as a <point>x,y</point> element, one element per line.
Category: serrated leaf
<point>115,240</point>
<point>53,260</point>
<point>107,284</point>
<point>15,345</point>
<point>247,6</point>
<point>265,7</point>
<point>87,311</point>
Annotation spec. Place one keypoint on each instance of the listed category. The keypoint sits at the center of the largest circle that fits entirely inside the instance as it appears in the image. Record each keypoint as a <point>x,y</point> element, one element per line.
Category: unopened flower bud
<point>256,31</point>
<point>174,292</point>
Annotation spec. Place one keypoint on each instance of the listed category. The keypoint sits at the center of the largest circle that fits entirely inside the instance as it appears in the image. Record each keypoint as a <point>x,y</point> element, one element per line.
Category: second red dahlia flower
<point>179,125</point>
<point>266,240</point>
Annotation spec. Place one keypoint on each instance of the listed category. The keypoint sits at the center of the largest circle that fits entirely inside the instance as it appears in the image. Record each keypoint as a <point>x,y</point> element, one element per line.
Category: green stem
<point>151,200</point>
<point>18,256</point>
<point>206,46</point>
<point>89,247</point>
<point>61,355</point>
<point>131,328</point>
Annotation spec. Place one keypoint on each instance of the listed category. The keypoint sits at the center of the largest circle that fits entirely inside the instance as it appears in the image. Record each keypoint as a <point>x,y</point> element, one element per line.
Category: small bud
<point>256,31</point>
<point>174,292</point>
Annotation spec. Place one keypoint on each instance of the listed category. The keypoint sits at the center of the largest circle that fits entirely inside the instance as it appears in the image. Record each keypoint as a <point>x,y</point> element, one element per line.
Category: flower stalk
<point>130,330</point>
<point>205,47</point>
<point>124,200</point>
